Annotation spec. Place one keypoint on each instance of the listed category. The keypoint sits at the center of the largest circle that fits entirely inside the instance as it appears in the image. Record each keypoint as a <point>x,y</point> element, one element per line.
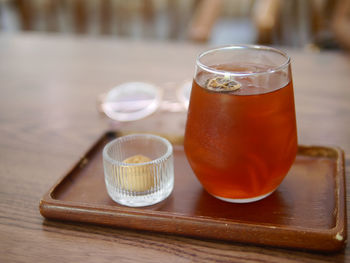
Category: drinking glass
<point>241,135</point>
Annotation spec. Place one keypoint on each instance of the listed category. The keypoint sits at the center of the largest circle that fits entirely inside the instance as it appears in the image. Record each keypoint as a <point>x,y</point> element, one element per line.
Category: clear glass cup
<point>241,135</point>
<point>139,169</point>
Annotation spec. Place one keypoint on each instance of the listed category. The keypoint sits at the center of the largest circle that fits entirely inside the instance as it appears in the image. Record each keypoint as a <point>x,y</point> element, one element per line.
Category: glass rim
<point>165,156</point>
<point>210,69</point>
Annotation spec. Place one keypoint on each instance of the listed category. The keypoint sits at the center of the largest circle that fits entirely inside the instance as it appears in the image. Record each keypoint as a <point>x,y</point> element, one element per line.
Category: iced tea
<point>241,143</point>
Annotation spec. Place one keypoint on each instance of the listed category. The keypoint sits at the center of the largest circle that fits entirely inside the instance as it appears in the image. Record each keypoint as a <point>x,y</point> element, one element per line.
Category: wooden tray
<point>307,211</point>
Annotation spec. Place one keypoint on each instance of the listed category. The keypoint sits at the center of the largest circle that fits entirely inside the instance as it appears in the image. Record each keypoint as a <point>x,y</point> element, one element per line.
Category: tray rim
<point>48,204</point>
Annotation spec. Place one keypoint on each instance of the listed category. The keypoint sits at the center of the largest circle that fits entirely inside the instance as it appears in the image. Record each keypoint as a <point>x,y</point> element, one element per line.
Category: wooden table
<point>48,118</point>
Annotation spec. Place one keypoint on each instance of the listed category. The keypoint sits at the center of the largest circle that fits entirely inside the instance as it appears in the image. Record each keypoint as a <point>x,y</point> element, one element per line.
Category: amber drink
<point>241,135</point>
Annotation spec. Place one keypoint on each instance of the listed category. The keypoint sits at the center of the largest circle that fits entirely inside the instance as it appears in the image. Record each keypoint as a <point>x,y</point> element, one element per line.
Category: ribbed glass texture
<point>139,184</point>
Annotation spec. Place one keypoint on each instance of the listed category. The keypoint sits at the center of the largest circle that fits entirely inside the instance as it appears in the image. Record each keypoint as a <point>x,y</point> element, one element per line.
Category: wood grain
<point>48,118</point>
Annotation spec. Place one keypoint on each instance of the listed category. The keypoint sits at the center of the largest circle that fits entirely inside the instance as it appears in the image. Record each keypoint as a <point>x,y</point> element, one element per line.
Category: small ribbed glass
<point>139,184</point>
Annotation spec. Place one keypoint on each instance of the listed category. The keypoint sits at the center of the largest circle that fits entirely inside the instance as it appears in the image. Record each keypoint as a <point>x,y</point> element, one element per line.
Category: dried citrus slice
<point>222,84</point>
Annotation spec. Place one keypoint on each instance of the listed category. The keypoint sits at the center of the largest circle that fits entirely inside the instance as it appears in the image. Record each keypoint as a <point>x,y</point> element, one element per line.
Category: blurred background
<point>294,23</point>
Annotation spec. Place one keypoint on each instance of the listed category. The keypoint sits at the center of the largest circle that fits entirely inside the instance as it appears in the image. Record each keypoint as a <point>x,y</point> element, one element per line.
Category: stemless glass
<point>241,135</point>
<point>139,169</point>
